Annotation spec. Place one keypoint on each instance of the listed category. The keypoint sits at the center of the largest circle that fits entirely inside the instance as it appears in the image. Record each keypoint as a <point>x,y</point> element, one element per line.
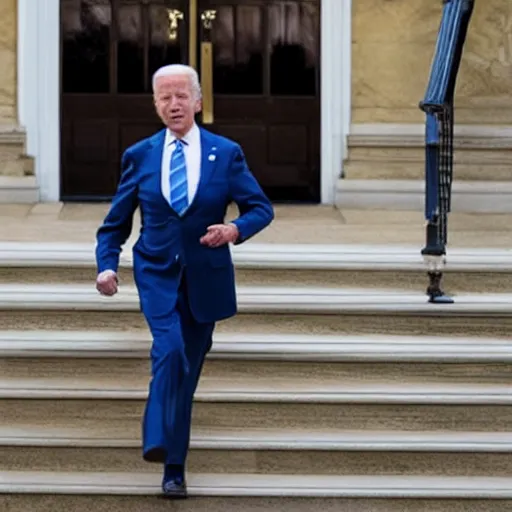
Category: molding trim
<point>346,74</point>
<point>49,107</point>
<point>336,23</point>
<point>27,31</point>
<point>39,89</point>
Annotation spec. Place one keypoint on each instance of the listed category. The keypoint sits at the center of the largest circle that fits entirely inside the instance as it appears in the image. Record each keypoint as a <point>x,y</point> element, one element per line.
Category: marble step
<point>476,198</point>
<point>387,266</point>
<point>125,355</point>
<point>124,415</point>
<point>250,485</point>
<point>261,346</point>
<point>278,389</point>
<point>284,451</point>
<point>278,309</point>
<point>346,323</point>
<point>17,187</point>
<point>402,156</point>
<point>267,403</point>
<point>114,502</point>
<point>275,439</point>
<point>385,166</point>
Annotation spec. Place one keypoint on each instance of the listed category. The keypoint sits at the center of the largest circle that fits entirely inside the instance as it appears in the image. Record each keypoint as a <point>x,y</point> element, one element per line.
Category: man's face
<point>175,102</point>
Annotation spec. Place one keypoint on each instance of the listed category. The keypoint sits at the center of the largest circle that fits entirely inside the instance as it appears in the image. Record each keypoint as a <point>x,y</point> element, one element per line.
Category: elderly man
<point>182,178</point>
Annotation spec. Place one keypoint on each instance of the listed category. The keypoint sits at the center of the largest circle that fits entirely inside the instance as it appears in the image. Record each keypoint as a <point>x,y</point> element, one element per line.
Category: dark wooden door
<point>259,66</point>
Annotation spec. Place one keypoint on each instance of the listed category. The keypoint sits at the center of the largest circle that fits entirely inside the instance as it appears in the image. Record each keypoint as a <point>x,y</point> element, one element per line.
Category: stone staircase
<point>337,387</point>
<point>17,181</point>
<point>385,168</point>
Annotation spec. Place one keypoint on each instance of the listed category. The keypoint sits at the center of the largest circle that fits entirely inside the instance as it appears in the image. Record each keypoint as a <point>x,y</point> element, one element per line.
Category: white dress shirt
<point>192,150</point>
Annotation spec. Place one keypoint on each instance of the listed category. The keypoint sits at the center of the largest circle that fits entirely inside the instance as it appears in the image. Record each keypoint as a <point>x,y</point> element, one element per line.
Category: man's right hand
<point>106,283</point>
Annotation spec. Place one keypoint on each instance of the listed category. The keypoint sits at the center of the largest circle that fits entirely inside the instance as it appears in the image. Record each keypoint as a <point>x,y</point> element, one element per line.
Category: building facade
<point>313,89</point>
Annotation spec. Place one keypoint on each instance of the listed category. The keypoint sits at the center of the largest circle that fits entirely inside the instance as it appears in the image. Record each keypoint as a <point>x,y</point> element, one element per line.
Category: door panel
<point>259,66</point>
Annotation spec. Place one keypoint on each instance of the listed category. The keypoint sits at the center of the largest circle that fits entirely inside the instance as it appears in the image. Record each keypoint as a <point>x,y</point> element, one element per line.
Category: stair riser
<point>25,458</point>
<point>135,373</point>
<point>122,418</point>
<point>279,323</point>
<point>382,167</point>
<point>414,280</point>
<point>67,503</point>
<point>476,155</point>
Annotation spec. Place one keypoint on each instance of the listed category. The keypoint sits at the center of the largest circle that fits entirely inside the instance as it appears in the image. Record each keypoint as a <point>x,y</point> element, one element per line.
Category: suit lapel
<point>209,157</point>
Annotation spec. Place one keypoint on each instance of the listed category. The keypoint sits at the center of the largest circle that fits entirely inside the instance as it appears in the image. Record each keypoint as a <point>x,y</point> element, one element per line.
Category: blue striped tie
<point>178,177</point>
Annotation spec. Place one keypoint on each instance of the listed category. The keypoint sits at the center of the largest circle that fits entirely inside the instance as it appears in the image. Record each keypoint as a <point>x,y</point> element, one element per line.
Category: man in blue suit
<point>182,178</point>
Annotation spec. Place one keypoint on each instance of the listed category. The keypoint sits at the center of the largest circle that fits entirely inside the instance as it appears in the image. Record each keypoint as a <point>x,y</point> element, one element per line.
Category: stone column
<point>12,138</point>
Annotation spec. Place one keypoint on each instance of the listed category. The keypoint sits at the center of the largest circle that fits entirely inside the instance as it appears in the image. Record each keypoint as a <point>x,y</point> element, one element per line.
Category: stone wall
<point>8,113</point>
<point>393,45</point>
<point>13,160</point>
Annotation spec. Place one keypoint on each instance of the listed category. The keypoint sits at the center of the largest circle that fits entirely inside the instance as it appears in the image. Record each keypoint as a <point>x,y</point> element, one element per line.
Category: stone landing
<point>77,223</point>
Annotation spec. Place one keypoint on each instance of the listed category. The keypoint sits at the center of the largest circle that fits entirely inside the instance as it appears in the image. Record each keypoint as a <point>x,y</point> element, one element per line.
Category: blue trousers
<point>180,345</point>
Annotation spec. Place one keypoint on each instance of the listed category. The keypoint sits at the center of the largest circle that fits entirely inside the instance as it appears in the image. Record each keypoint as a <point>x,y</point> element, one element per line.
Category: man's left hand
<point>220,234</point>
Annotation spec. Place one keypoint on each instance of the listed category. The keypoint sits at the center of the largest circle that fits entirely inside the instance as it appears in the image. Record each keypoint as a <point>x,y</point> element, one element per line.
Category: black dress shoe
<point>174,489</point>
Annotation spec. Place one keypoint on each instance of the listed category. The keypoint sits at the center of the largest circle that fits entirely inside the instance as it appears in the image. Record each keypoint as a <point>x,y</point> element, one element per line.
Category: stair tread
<point>89,290</point>
<point>47,343</point>
<point>300,299</point>
<point>269,255</point>
<point>282,438</point>
<point>263,390</point>
<point>258,485</point>
<point>49,336</point>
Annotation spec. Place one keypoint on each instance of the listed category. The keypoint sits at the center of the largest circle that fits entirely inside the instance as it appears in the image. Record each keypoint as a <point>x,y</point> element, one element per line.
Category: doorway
<point>259,64</point>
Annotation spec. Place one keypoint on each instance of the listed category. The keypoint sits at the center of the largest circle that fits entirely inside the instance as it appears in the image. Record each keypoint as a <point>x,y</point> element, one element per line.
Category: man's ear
<point>198,106</point>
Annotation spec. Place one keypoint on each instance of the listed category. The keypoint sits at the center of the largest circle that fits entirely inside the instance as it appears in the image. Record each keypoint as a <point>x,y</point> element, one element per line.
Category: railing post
<point>434,252</point>
<point>438,107</point>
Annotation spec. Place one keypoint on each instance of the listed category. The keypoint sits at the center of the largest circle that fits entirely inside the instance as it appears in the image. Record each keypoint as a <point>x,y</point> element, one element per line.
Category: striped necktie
<point>178,177</point>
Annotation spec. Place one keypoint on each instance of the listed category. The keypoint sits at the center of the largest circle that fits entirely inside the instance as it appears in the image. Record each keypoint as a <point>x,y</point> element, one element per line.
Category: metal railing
<point>438,107</point>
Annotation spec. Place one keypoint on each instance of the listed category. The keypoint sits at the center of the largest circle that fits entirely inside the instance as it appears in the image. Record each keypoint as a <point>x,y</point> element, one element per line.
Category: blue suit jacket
<point>169,245</point>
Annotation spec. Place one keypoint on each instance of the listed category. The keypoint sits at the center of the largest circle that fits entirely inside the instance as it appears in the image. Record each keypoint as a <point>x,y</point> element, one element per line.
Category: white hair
<point>176,70</point>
